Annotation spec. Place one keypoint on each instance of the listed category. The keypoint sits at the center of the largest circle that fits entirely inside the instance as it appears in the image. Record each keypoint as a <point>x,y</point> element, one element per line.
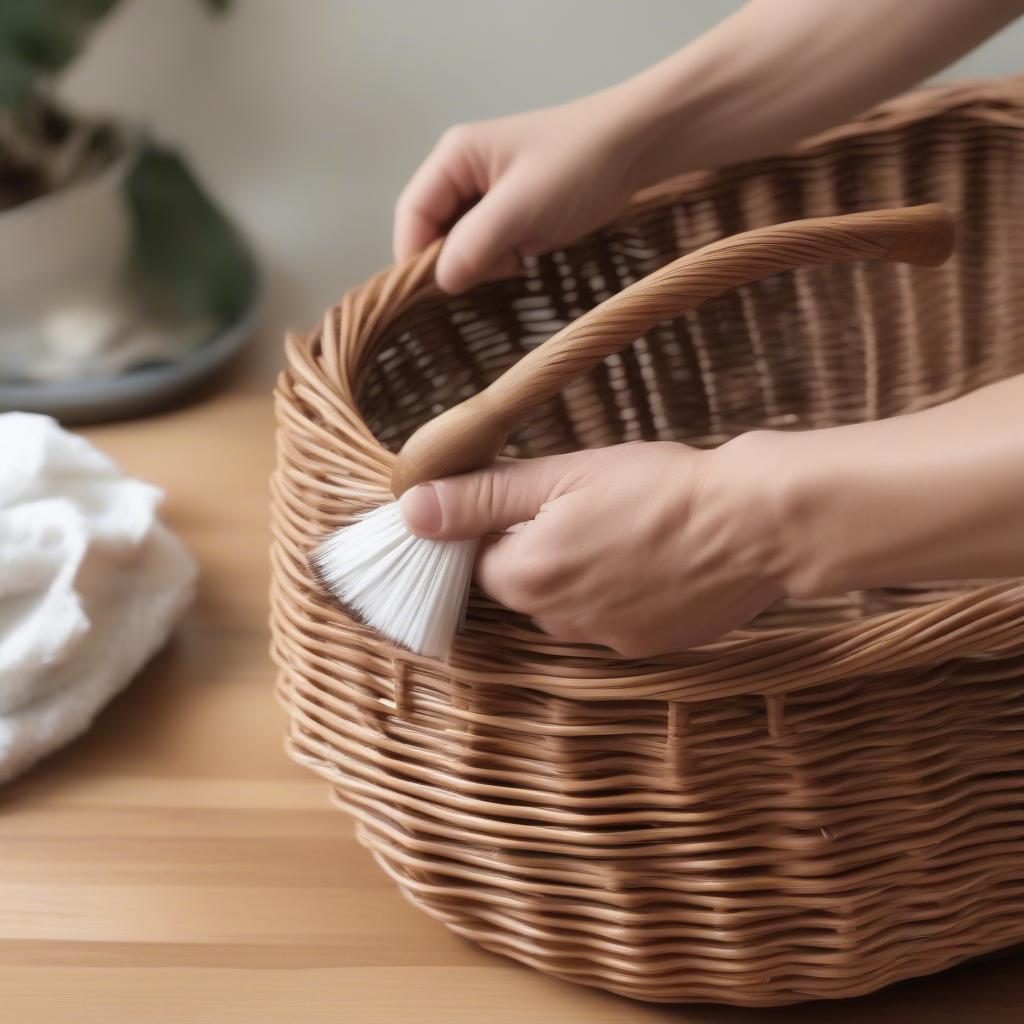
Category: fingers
<point>507,266</point>
<point>521,571</point>
<point>452,187</point>
<point>483,243</point>
<point>511,571</point>
<point>442,186</point>
<point>487,501</point>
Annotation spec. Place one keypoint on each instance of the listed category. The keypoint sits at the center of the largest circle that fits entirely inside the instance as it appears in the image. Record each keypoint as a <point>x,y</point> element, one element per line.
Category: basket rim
<point>326,367</point>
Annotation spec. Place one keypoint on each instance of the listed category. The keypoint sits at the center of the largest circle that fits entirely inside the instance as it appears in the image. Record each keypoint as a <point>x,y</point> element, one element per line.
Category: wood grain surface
<point>174,866</point>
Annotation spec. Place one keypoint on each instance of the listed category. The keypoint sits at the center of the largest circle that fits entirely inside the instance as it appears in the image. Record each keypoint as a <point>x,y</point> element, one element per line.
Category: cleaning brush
<point>413,590</point>
<point>407,588</point>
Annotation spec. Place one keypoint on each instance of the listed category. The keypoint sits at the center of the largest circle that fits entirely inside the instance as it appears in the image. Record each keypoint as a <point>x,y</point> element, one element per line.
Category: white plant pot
<point>60,252</point>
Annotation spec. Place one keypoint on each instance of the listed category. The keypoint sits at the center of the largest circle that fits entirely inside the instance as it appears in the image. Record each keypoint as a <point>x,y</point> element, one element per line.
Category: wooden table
<point>174,866</point>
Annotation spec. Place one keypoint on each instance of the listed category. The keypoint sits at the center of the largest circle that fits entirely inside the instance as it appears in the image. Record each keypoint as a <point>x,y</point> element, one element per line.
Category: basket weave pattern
<point>816,806</point>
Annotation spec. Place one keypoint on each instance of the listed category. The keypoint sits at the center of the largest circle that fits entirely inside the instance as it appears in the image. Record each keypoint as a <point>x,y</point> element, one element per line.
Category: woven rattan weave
<point>814,807</point>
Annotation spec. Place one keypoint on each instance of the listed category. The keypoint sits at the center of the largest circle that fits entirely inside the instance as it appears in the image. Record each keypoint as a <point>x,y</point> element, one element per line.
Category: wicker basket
<point>816,806</point>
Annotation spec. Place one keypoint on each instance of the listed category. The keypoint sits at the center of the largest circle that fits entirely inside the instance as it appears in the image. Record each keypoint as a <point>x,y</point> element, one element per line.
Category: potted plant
<point>111,256</point>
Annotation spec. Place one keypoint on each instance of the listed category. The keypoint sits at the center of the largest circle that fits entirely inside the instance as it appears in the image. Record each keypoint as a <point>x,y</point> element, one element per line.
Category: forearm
<point>779,70</point>
<point>933,495</point>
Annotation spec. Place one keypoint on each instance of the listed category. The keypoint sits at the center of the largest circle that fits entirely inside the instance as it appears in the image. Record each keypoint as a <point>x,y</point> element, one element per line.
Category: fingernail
<point>421,510</point>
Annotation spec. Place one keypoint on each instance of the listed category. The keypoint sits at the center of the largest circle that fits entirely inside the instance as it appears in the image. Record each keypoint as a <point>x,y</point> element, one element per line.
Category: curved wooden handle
<point>471,434</point>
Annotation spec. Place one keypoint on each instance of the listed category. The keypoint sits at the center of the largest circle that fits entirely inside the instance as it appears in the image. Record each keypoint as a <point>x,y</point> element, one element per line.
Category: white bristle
<point>411,590</point>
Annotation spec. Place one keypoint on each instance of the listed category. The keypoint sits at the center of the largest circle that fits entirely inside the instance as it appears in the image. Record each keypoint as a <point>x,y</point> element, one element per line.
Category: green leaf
<point>190,257</point>
<point>16,79</point>
<point>39,38</point>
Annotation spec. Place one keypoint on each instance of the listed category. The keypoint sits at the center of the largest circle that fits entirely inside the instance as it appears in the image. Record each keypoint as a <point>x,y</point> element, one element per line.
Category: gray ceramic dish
<point>136,391</point>
<point>189,261</point>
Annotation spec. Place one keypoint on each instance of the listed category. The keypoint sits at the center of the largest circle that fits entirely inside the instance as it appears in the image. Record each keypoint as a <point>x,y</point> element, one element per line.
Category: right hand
<point>519,186</point>
<point>647,548</point>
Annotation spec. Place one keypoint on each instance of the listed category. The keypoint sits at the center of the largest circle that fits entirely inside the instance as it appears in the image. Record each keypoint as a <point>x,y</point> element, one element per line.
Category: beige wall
<point>306,116</point>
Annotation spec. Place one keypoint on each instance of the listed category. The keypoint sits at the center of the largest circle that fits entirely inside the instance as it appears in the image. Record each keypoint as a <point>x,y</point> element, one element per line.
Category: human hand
<point>646,548</point>
<point>538,180</point>
<point>654,547</point>
<point>771,73</point>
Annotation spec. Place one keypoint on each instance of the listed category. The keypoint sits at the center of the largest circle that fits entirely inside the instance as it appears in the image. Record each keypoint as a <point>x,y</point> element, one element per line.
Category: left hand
<point>646,548</point>
<point>520,185</point>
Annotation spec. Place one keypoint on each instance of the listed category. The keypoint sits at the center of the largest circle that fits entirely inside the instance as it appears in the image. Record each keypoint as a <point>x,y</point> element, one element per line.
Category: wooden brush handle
<point>471,434</point>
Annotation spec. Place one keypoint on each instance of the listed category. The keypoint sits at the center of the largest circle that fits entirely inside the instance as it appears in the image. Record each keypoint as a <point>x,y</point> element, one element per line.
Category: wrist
<point>878,504</point>
<point>735,93</point>
<point>740,509</point>
<point>675,112</point>
<point>801,542</point>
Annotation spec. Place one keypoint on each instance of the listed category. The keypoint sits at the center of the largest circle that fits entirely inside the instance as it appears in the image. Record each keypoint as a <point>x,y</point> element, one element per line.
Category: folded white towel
<point>91,584</point>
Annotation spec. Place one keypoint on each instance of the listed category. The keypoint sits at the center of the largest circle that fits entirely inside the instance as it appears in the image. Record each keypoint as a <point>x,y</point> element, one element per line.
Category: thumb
<point>486,501</point>
<point>483,241</point>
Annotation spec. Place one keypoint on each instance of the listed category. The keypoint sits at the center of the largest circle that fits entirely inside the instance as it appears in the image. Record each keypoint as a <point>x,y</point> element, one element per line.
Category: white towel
<point>91,584</point>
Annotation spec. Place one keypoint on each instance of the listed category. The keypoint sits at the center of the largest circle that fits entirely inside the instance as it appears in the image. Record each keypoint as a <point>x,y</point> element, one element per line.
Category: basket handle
<point>470,435</point>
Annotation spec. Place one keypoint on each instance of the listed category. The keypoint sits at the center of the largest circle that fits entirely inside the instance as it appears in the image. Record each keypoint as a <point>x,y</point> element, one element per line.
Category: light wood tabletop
<point>173,866</point>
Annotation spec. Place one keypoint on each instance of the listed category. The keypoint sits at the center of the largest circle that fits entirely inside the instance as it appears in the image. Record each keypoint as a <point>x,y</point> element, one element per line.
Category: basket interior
<point>811,348</point>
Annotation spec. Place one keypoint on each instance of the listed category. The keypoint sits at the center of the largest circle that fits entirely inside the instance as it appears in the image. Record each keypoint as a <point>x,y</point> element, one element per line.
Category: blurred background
<point>305,118</point>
